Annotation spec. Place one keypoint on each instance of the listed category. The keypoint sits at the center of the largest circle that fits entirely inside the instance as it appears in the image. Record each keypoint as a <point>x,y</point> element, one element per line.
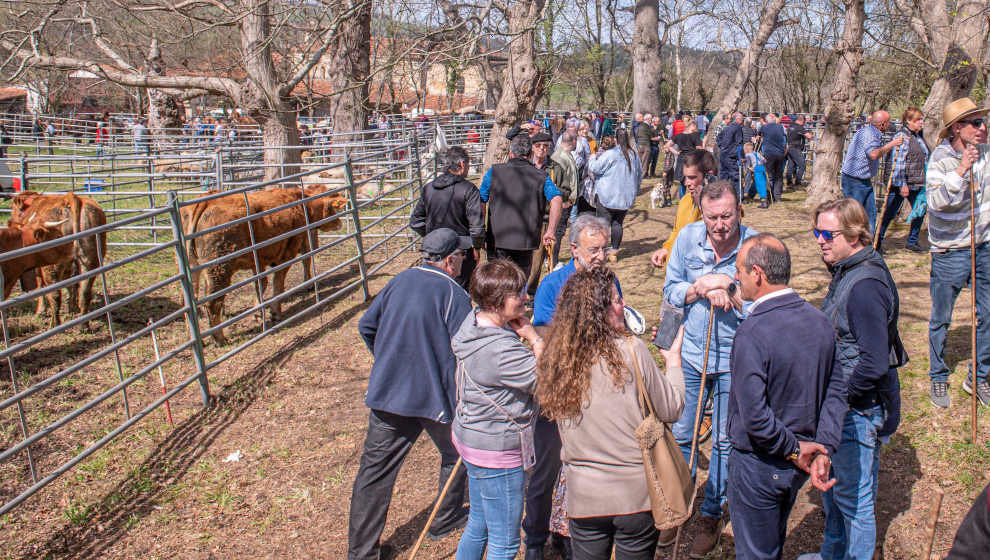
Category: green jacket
<point>566,172</point>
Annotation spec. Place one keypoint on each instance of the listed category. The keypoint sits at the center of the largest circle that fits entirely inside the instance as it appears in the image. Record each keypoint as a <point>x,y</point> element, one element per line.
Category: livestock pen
<point>72,395</point>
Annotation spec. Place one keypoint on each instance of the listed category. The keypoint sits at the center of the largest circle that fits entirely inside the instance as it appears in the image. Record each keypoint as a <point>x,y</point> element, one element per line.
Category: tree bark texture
<point>523,84</point>
<point>262,95</point>
<point>352,64</point>
<point>647,65</point>
<point>839,111</point>
<point>957,48</point>
<point>730,101</point>
<point>163,109</point>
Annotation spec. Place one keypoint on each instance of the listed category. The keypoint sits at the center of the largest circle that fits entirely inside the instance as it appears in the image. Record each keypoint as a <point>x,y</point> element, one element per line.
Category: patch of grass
<point>77,514</point>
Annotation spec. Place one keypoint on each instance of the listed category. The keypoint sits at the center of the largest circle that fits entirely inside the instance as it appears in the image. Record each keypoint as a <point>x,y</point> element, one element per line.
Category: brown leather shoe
<point>707,532</point>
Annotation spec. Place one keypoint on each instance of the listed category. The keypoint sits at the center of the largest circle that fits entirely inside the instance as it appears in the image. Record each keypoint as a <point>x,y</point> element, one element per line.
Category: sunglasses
<point>977,123</point>
<point>825,234</point>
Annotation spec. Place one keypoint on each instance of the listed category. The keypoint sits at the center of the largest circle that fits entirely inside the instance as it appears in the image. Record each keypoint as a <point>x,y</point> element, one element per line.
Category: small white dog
<point>656,196</point>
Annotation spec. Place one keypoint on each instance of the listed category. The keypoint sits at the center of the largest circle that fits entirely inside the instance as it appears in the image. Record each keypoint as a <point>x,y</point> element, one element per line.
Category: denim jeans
<point>862,191</point>
<point>762,491</point>
<point>950,273</point>
<point>717,471</point>
<point>496,513</point>
<point>890,209</point>
<point>850,506</point>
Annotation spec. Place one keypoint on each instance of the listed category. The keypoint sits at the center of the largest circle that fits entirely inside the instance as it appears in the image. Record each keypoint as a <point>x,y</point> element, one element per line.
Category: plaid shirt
<point>948,198</point>
<point>857,162</point>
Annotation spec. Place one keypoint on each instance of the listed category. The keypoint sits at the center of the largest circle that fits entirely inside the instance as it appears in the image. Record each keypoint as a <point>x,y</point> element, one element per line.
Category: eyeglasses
<point>825,234</point>
<point>977,123</point>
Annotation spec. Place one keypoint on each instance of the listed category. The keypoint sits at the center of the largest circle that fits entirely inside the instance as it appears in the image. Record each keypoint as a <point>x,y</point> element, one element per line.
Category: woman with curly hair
<point>496,410</point>
<point>586,384</point>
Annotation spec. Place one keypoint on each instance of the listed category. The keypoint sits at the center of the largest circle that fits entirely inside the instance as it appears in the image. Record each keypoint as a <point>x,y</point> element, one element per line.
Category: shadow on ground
<point>171,461</point>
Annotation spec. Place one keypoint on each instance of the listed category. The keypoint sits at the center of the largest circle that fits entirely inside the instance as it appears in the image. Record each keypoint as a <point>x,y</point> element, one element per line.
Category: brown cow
<point>12,238</point>
<point>212,213</point>
<point>77,213</point>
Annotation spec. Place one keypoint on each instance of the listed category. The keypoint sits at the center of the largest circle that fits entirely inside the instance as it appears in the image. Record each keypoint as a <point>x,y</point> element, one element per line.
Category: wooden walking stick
<point>433,514</point>
<point>697,418</point>
<point>890,183</point>
<point>972,290</point>
<point>933,520</point>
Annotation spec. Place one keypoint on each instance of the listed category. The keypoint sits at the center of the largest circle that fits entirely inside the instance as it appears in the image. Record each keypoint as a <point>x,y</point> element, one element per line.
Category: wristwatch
<point>795,454</point>
<point>731,289</point>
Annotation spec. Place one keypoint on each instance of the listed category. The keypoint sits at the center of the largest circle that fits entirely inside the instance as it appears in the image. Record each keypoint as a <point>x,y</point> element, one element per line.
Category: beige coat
<point>603,462</point>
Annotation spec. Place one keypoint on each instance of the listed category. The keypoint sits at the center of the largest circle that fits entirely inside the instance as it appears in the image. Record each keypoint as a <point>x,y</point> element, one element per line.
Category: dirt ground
<point>293,407</point>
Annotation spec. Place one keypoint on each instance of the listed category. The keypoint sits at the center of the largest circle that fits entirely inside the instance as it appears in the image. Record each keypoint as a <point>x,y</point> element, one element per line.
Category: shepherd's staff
<point>972,286</point>
<point>697,416</point>
<point>890,184</point>
<point>433,514</point>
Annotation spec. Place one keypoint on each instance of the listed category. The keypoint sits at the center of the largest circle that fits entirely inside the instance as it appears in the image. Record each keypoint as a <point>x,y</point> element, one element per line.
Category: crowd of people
<point>534,383</point>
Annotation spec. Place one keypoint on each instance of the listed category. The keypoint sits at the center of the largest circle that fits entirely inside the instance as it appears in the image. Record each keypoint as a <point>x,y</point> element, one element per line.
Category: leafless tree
<point>954,36</point>
<point>839,112</point>
<point>769,21</point>
<point>262,49</point>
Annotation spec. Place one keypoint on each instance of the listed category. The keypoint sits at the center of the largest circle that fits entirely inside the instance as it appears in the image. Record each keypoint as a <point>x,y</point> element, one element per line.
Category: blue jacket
<point>774,139</point>
<point>783,393</point>
<point>616,181</point>
<point>692,258</point>
<point>408,330</point>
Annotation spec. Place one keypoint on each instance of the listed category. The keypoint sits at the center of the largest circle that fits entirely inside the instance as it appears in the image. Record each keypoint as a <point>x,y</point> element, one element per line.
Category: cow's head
<point>325,206</point>
<point>32,234</point>
<point>19,205</point>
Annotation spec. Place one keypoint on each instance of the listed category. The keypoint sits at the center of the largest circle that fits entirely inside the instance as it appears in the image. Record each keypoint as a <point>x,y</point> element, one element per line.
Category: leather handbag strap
<point>645,406</point>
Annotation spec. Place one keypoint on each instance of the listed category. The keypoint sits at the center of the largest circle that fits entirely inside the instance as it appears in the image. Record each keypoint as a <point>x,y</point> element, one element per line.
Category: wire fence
<point>153,335</point>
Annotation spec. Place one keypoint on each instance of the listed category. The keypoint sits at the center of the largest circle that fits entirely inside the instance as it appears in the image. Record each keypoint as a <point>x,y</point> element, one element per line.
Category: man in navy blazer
<point>786,403</point>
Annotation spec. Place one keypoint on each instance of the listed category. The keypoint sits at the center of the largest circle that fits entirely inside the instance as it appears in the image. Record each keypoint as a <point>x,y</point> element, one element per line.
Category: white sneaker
<point>810,556</point>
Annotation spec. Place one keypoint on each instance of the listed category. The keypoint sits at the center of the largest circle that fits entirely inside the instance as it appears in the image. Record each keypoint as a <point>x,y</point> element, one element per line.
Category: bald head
<point>769,253</point>
<point>879,117</point>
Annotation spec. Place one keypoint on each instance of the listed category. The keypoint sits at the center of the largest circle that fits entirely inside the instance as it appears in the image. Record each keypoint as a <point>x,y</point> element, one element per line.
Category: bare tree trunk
<point>352,64</point>
<point>523,83</point>
<point>261,95</point>
<point>646,57</point>
<point>839,111</point>
<point>730,101</point>
<point>959,61</point>
<point>163,109</point>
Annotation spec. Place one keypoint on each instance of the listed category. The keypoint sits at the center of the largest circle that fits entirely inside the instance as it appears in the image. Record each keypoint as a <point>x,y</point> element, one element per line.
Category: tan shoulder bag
<point>667,474</point>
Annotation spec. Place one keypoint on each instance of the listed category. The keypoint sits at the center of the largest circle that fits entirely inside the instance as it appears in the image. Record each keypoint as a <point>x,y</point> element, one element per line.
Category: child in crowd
<point>754,162</point>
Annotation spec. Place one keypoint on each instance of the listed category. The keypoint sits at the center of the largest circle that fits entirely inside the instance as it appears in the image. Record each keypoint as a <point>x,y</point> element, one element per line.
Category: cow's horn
<point>55,224</point>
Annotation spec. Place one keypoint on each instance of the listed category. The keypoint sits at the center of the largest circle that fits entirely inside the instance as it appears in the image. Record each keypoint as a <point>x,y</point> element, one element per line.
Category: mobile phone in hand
<point>671,318</point>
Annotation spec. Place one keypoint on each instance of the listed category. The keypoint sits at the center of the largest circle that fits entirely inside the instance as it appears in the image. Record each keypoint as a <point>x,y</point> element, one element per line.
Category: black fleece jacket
<point>450,201</point>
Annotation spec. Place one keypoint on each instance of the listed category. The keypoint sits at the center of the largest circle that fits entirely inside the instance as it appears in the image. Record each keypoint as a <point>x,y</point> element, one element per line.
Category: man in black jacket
<point>451,201</point>
<point>729,142</point>
<point>863,305</point>
<point>786,403</point>
<point>517,195</point>
<point>797,135</point>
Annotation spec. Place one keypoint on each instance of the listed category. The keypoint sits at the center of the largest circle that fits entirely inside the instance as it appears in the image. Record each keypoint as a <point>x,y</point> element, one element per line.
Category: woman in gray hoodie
<point>493,421</point>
